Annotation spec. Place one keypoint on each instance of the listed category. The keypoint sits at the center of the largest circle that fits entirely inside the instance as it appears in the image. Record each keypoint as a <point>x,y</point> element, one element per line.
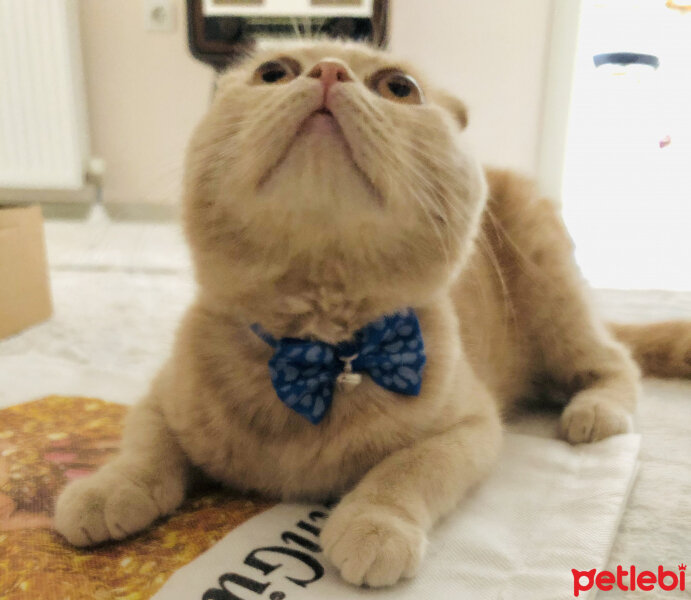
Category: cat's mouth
<point>322,125</point>
<point>321,121</point>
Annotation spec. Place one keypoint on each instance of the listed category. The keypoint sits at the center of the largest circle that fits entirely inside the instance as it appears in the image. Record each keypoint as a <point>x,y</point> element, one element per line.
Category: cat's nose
<point>329,72</point>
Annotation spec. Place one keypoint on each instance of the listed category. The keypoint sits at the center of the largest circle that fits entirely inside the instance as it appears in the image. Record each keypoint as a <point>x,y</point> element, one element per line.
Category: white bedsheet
<point>548,508</point>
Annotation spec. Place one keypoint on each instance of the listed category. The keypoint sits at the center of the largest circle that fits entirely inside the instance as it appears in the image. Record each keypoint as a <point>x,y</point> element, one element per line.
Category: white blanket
<point>548,508</point>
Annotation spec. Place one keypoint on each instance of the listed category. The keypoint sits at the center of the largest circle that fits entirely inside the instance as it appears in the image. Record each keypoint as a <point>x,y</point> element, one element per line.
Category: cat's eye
<point>398,86</point>
<point>280,70</point>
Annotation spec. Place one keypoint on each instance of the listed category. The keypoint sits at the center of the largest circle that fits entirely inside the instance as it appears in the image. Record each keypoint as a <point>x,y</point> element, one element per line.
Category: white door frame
<point>558,87</point>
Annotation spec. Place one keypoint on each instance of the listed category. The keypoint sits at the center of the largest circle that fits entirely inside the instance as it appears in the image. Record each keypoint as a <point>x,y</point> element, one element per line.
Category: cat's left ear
<point>456,107</point>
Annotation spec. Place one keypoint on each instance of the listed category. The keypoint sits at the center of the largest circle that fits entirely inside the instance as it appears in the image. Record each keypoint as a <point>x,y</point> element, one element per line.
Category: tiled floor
<point>101,242</point>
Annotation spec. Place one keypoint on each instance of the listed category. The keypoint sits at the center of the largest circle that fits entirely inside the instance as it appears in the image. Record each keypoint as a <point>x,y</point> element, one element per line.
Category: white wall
<point>490,54</point>
<point>145,92</point>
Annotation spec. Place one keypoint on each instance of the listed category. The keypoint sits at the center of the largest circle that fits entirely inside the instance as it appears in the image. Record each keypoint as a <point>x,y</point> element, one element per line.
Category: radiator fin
<point>43,141</point>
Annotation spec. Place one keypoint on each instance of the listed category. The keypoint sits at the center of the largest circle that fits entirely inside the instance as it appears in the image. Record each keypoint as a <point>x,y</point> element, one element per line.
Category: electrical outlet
<point>160,15</point>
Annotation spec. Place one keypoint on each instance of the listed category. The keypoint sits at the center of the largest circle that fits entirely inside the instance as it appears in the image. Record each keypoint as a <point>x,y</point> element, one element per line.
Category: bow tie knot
<point>304,372</point>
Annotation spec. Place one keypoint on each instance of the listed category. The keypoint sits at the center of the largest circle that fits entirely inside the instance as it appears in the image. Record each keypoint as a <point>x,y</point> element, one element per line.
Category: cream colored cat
<point>329,185</point>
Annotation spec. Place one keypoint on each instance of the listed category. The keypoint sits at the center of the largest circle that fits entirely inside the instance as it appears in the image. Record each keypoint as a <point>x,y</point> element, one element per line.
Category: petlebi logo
<point>630,580</point>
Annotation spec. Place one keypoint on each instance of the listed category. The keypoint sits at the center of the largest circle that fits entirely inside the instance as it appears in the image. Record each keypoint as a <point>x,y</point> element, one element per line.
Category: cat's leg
<point>377,534</point>
<point>146,480</point>
<point>580,355</point>
<point>603,380</point>
<point>575,351</point>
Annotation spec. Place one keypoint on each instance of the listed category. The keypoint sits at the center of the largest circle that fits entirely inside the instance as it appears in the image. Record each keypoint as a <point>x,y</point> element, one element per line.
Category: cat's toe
<point>103,507</point>
<point>592,421</point>
<point>370,545</point>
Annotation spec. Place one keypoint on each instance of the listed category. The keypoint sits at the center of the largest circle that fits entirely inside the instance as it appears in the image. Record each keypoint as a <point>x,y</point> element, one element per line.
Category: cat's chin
<point>319,155</point>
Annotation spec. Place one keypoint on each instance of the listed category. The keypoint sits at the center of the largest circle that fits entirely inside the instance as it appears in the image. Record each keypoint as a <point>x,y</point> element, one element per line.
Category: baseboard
<point>141,211</point>
<point>86,195</point>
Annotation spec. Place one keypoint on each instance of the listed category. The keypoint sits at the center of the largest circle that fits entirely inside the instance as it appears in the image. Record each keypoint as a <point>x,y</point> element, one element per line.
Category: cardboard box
<point>24,288</point>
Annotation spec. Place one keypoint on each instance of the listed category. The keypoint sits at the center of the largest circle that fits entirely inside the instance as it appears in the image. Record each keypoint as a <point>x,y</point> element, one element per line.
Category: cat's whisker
<point>526,264</point>
<point>296,28</point>
<point>509,310</point>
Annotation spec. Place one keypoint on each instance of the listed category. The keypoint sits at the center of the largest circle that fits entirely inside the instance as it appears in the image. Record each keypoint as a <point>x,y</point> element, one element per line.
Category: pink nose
<point>329,72</point>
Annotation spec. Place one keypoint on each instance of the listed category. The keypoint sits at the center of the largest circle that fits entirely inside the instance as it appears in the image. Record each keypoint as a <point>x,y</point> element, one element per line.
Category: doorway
<point>627,173</point>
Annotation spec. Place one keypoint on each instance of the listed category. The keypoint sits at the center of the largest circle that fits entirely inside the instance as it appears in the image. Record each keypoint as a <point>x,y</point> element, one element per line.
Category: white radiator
<point>43,123</point>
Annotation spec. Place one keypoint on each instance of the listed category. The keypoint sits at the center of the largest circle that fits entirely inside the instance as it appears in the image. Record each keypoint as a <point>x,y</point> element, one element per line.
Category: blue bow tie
<point>304,372</point>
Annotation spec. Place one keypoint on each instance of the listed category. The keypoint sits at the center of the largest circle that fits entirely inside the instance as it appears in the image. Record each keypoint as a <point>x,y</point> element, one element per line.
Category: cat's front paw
<point>590,420</point>
<point>373,546</point>
<point>108,506</point>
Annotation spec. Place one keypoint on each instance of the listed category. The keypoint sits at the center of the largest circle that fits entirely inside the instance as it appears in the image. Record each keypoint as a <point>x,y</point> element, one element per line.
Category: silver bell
<point>347,380</point>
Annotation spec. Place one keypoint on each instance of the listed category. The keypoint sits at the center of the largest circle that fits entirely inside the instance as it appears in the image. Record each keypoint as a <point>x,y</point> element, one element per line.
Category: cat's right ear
<point>456,107</point>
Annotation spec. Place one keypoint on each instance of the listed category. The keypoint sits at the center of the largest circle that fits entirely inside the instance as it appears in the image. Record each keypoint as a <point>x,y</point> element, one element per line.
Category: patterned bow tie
<point>304,372</point>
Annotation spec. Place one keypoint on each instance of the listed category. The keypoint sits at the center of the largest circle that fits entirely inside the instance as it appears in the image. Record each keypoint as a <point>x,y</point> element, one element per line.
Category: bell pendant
<point>347,380</point>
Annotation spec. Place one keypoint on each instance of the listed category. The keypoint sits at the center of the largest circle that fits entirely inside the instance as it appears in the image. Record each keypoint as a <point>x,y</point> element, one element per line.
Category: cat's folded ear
<point>456,107</point>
